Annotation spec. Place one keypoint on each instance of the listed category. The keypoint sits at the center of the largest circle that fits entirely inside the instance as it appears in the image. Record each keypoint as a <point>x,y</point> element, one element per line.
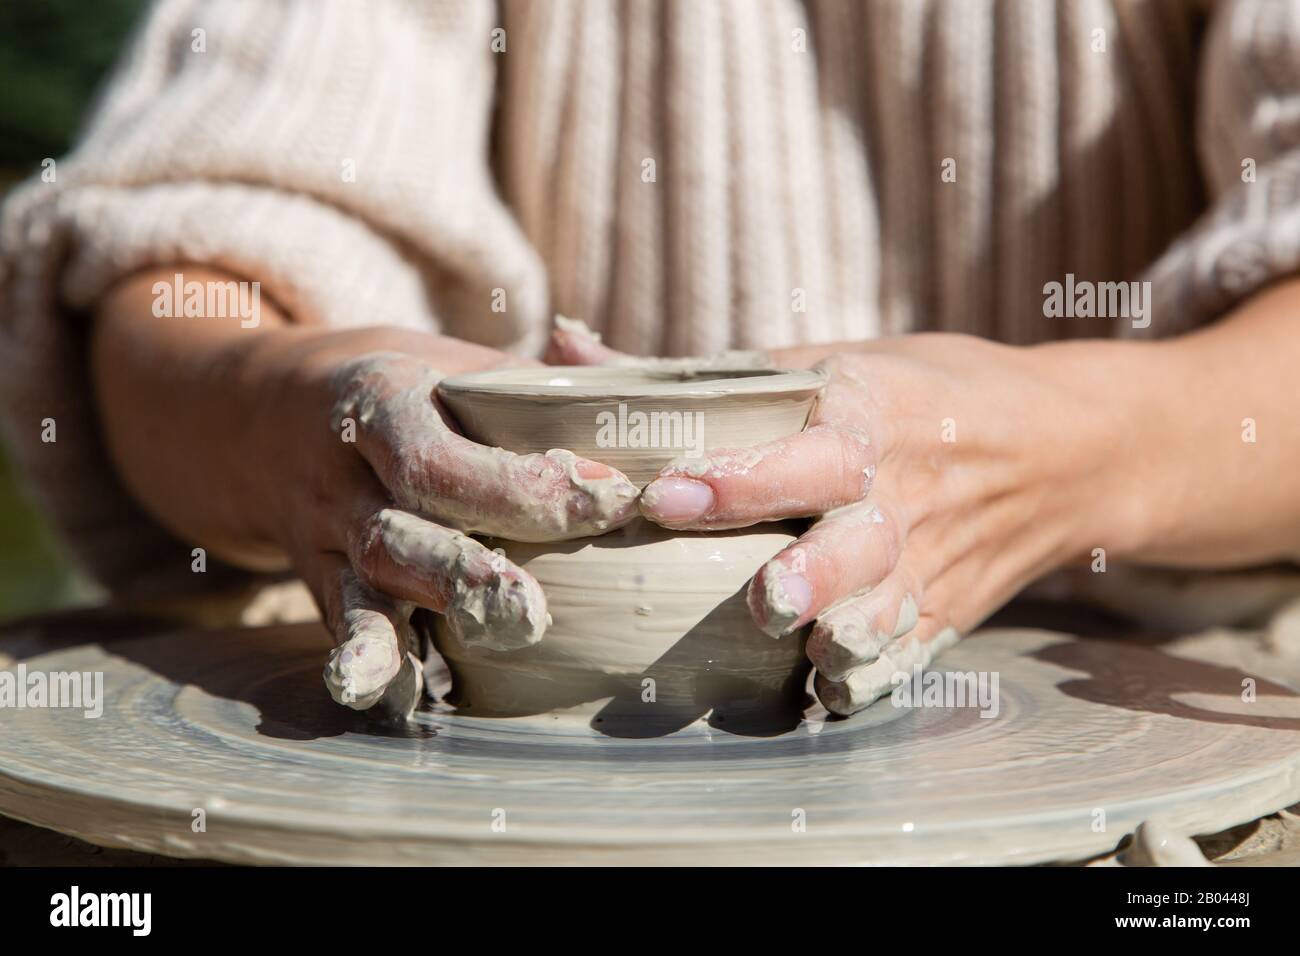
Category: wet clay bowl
<point>649,628</point>
<point>635,420</point>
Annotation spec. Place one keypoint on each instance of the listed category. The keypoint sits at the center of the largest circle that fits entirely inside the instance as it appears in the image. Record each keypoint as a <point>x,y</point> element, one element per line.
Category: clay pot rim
<point>612,383</point>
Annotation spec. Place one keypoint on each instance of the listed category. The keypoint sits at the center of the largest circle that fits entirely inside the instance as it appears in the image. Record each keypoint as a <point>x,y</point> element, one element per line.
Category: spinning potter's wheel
<point>1090,739</point>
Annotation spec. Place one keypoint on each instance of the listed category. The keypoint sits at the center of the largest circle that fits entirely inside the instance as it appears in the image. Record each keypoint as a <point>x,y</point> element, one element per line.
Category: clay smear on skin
<point>571,505</point>
<point>406,419</point>
<point>872,681</point>
<point>733,359</point>
<point>722,465</point>
<point>848,636</point>
<point>729,463</point>
<point>492,605</point>
<point>770,603</point>
<point>360,669</point>
<point>777,611</point>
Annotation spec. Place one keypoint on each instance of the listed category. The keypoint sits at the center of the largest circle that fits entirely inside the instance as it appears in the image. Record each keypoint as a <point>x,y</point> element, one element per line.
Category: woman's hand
<point>945,472</point>
<point>327,451</point>
<point>378,519</point>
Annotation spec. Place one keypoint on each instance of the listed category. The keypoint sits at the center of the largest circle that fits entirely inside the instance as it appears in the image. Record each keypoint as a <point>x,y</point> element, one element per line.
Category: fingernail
<point>908,615</point>
<point>503,615</point>
<point>834,696</point>
<point>797,592</point>
<point>676,499</point>
<point>358,671</point>
<point>786,598</point>
<point>606,498</point>
<point>592,469</point>
<point>836,649</point>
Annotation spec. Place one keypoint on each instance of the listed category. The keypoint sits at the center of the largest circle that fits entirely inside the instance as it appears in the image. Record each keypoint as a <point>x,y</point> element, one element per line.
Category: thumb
<point>574,343</point>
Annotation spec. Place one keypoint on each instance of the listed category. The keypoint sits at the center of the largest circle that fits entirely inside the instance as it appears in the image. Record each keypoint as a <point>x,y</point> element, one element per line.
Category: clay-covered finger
<point>853,632</point>
<point>825,467</point>
<point>574,343</point>
<point>488,601</point>
<point>847,551</point>
<point>372,633</point>
<point>870,682</point>
<point>389,411</point>
<point>539,497</point>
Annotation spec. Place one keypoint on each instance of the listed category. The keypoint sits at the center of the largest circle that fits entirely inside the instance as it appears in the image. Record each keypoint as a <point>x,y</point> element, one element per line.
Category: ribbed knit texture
<point>684,175</point>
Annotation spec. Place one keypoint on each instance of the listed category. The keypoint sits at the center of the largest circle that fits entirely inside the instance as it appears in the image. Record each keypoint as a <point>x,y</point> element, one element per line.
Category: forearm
<point>195,411</point>
<point>1207,446</point>
<point>174,404</point>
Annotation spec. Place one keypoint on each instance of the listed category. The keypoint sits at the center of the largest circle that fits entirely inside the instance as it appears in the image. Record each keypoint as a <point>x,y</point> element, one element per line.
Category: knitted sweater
<point>685,175</point>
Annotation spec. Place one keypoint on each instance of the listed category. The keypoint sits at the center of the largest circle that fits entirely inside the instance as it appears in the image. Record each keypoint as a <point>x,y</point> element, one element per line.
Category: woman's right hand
<point>328,451</point>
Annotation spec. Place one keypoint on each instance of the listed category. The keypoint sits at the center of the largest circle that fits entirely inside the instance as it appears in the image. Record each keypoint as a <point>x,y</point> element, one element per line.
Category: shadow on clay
<point>687,690</point>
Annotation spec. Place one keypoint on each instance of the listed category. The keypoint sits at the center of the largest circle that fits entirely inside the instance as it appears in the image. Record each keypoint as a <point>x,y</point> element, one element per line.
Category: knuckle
<point>408,473</point>
<point>912,587</point>
<point>889,529</point>
<point>857,460</point>
<point>361,382</point>
<point>832,365</point>
<point>845,452</point>
<point>366,544</point>
<point>854,437</point>
<point>526,476</point>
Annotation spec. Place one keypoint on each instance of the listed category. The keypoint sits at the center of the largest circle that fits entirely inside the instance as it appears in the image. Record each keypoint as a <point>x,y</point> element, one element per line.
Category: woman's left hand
<point>944,472</point>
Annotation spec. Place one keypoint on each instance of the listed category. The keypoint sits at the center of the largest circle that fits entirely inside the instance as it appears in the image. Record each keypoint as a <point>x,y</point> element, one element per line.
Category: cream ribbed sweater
<point>685,175</point>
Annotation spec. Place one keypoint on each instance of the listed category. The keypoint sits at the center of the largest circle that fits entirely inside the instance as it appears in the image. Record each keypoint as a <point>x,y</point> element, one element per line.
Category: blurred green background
<point>53,56</point>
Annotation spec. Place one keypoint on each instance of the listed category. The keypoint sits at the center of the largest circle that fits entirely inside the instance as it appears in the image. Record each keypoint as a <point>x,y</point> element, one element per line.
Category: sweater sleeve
<point>1248,135</point>
<point>337,153</point>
